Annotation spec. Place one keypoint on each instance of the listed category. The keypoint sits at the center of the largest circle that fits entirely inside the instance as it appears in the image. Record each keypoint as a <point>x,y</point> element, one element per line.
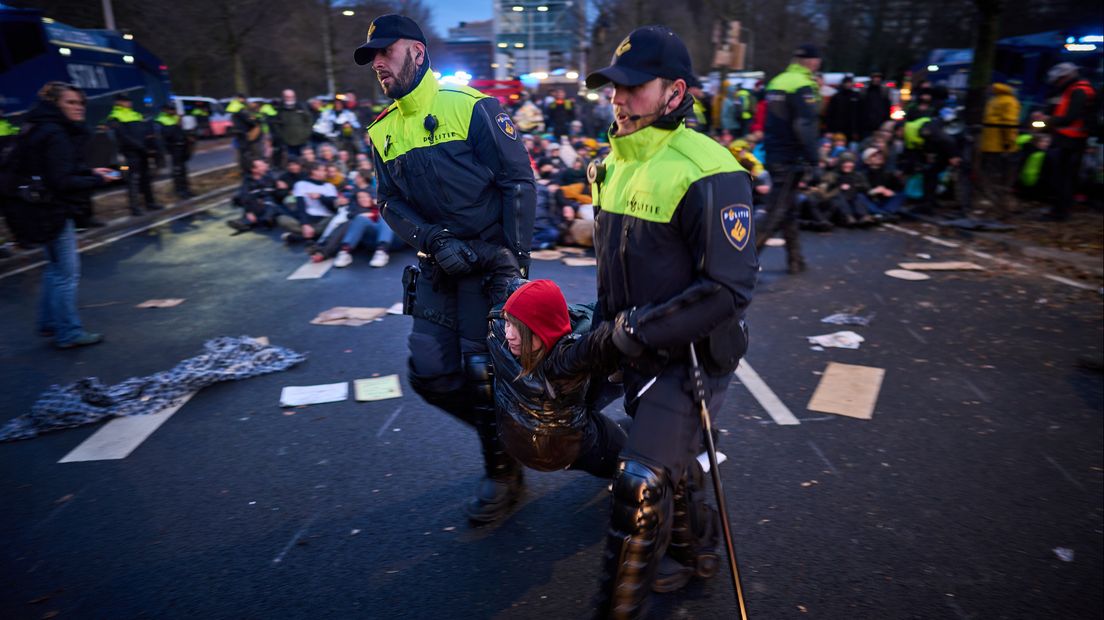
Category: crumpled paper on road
<point>351,316</point>
<point>839,340</point>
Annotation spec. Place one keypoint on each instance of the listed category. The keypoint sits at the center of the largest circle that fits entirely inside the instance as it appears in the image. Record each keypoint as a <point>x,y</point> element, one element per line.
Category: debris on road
<point>546,255</point>
<point>396,308</point>
<point>1064,554</point>
<point>346,315</point>
<point>580,261</point>
<point>905,274</point>
<point>160,303</point>
<point>775,242</point>
<point>297,395</point>
<point>841,318</point>
<point>848,389</point>
<point>377,388</point>
<point>954,265</point>
<point>839,340</point>
<point>89,400</point>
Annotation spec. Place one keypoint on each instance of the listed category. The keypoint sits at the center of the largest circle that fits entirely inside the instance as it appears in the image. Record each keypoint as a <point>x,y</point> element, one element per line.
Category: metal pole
<point>327,52</point>
<point>711,450</point>
<point>529,20</point>
<point>109,15</point>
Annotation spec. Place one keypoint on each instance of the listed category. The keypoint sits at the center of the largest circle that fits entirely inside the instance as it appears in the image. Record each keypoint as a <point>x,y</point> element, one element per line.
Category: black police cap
<point>647,53</point>
<point>385,30</point>
<point>807,50</point>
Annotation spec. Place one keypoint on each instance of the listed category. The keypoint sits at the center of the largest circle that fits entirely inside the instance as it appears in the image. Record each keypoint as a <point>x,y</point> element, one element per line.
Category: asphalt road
<point>980,470</point>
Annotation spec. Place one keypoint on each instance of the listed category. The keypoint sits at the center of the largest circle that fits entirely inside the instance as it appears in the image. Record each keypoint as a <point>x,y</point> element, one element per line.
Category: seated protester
<point>364,226</point>
<point>578,214</point>
<point>884,198</point>
<point>838,145</point>
<point>358,182</point>
<point>760,178</point>
<point>544,356</point>
<point>811,205</point>
<point>344,161</point>
<point>307,155</point>
<point>551,157</point>
<point>842,187</point>
<point>334,176</point>
<point>293,173</point>
<point>546,218</point>
<point>316,201</point>
<point>363,169</point>
<point>256,197</point>
<point>576,173</point>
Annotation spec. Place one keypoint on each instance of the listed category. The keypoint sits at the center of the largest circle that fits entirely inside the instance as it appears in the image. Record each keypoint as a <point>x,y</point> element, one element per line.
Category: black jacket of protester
<point>54,150</point>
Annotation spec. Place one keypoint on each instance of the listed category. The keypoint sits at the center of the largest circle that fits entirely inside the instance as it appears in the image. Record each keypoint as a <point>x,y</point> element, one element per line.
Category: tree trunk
<point>985,55</point>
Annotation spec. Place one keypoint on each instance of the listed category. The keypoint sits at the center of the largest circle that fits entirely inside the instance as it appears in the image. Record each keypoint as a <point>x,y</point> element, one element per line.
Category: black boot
<point>502,482</point>
<point>640,513</point>
<point>694,536</point>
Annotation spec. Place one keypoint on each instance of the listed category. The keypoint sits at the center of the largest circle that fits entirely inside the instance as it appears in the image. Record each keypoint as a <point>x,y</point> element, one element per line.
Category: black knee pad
<point>641,498</point>
<point>479,377</point>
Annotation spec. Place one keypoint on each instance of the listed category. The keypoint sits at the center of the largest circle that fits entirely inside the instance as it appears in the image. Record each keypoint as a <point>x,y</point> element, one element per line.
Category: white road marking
<point>915,335</point>
<point>387,424</point>
<point>831,468</point>
<point>901,229</point>
<point>1073,283</point>
<point>942,242</point>
<point>762,393</point>
<point>311,270</point>
<point>119,437</point>
<point>982,395</point>
<point>295,539</point>
<point>1064,473</point>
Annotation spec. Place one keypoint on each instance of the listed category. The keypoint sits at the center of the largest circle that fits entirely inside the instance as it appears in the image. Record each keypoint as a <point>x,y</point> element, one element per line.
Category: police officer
<point>451,168</point>
<point>929,149</point>
<point>790,141</point>
<point>178,143</point>
<point>676,267</point>
<point>131,132</point>
<point>1071,123</point>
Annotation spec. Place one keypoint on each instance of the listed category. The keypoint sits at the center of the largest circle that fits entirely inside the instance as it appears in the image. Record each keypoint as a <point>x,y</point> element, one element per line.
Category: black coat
<point>55,151</point>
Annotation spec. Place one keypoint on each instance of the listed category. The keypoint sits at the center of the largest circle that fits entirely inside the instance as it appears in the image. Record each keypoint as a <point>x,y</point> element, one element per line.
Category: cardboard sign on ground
<point>311,270</point>
<point>905,274</point>
<point>345,315</point>
<point>377,388</point>
<point>944,266</point>
<point>546,255</point>
<point>160,303</point>
<point>580,261</point>
<point>849,390</point>
<point>296,395</point>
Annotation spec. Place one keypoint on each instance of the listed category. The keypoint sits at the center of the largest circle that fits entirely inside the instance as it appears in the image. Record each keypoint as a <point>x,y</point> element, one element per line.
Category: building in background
<point>469,49</point>
<point>539,37</point>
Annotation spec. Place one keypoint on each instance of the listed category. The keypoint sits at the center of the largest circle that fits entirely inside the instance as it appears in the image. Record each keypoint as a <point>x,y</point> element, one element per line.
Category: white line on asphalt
<point>311,270</point>
<point>762,393</point>
<point>1065,473</point>
<point>387,424</point>
<point>1069,282</point>
<point>848,269</point>
<point>942,242</point>
<point>295,539</point>
<point>901,229</point>
<point>119,437</point>
<point>982,395</point>
<point>129,233</point>
<point>831,468</point>
<point>917,336</point>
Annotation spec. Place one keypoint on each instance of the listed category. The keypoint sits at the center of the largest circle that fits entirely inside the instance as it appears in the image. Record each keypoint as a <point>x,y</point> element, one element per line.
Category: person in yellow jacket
<point>1000,128</point>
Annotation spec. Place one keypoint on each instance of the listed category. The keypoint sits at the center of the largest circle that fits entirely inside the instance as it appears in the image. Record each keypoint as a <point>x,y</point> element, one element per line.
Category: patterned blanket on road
<point>89,400</point>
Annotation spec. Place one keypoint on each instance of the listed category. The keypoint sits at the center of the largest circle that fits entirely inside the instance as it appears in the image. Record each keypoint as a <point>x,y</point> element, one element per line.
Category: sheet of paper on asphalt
<point>580,261</point>
<point>296,395</point>
<point>944,266</point>
<point>377,388</point>
<point>848,389</point>
<point>160,303</point>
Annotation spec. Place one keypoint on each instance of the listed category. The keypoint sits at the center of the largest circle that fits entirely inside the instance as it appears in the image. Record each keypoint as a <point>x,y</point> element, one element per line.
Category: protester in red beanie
<point>542,377</point>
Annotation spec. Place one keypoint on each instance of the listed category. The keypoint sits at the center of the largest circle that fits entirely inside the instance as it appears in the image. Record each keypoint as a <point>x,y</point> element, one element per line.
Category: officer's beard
<point>407,77</point>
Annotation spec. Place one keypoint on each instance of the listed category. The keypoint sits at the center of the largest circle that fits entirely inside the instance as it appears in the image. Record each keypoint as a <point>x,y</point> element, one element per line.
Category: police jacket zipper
<point>625,229</point>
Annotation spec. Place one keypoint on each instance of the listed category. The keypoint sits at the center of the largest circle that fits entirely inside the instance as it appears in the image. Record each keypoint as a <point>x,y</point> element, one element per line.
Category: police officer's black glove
<point>625,336</point>
<point>452,255</point>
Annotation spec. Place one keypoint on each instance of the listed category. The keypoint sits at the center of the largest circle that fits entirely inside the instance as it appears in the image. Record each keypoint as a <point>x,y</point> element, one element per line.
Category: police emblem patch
<point>736,220</point>
<point>624,47</point>
<point>506,125</point>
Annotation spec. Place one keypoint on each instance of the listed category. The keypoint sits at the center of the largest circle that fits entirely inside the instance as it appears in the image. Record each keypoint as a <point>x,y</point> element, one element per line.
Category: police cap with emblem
<point>647,53</point>
<point>385,30</point>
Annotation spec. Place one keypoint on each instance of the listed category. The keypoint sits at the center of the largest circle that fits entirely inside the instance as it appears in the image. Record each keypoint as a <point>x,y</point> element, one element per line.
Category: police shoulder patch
<point>736,221</point>
<point>506,125</point>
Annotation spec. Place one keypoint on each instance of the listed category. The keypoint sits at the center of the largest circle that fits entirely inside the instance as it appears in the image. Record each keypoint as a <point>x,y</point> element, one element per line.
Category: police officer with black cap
<point>676,268</point>
<point>790,141</point>
<point>454,183</point>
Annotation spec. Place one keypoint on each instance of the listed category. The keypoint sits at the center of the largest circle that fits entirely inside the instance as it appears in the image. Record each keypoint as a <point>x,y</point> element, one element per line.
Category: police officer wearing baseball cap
<point>456,185</point>
<point>676,268</point>
<point>790,137</point>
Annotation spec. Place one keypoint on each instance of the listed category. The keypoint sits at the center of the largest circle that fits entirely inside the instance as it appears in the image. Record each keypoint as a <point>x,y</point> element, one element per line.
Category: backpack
<point>25,201</point>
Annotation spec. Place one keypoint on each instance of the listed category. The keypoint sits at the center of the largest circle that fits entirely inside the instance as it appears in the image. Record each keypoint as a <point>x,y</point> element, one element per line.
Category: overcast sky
<point>448,13</point>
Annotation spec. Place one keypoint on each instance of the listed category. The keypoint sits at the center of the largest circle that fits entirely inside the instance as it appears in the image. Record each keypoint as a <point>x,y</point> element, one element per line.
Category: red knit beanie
<point>541,306</point>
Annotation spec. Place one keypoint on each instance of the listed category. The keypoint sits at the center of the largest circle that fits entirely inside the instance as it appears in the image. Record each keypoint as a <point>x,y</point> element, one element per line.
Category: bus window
<point>22,41</point>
